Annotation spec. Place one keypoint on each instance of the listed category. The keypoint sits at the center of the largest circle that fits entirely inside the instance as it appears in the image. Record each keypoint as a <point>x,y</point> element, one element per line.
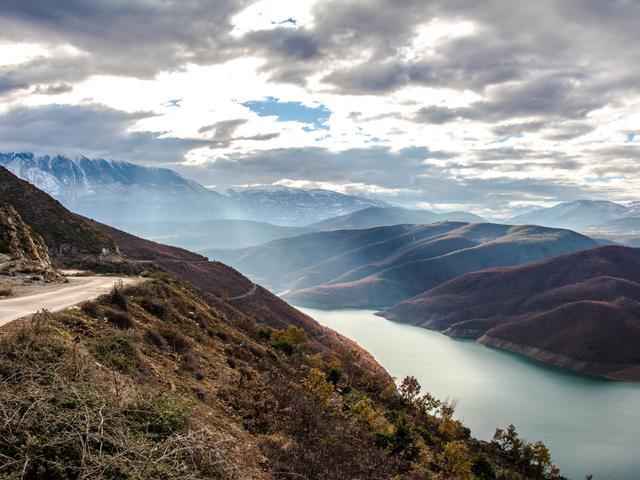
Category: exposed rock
<point>22,251</point>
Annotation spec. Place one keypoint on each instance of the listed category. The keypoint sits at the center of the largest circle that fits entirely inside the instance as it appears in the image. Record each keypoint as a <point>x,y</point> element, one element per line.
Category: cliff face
<point>21,250</point>
<point>66,234</point>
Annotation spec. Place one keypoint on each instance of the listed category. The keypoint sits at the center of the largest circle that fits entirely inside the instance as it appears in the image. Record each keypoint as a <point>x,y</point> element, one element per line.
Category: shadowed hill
<point>65,233</point>
<point>384,265</point>
<point>580,311</point>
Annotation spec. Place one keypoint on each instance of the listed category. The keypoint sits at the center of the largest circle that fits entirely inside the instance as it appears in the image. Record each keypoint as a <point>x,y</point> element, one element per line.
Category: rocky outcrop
<point>21,250</point>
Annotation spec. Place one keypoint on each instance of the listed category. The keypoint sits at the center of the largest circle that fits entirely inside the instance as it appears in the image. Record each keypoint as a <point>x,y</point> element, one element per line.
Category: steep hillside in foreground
<point>201,374</point>
<point>579,311</point>
<point>382,216</point>
<point>153,382</point>
<point>385,265</point>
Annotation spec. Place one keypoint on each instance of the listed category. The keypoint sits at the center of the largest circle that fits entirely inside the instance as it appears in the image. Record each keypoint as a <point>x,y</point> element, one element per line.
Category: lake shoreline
<point>589,422</point>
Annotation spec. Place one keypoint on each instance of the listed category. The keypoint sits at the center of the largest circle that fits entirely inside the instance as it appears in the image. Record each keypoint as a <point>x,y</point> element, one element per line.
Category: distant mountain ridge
<point>576,215</point>
<point>382,216</point>
<point>125,192</point>
<point>385,265</point>
<point>296,206</point>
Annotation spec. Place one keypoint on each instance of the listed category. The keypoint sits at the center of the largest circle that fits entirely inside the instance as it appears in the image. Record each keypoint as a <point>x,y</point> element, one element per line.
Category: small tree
<point>409,388</point>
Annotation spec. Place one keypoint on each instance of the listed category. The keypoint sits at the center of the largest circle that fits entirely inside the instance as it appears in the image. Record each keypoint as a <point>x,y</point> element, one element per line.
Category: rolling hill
<point>382,216</point>
<point>384,265</point>
<point>578,311</point>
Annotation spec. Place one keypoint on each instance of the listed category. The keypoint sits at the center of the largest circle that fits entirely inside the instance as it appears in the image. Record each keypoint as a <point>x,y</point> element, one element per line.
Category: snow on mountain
<point>114,191</point>
<point>296,206</point>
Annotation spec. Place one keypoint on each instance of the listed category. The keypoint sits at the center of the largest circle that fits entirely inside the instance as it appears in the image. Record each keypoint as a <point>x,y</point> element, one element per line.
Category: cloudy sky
<point>491,106</point>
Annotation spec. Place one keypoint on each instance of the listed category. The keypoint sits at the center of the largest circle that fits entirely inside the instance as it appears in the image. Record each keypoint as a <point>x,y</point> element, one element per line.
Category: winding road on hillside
<point>251,291</point>
<point>79,289</point>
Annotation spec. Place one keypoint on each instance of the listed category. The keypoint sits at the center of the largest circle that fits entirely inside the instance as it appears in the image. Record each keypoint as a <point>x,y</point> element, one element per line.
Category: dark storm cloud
<point>136,38</point>
<point>92,130</point>
<point>550,57</point>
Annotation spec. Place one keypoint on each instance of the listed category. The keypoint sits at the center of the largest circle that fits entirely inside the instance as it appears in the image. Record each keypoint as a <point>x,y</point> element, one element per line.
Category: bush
<point>190,364</point>
<point>159,417</point>
<point>91,308</point>
<point>287,340</point>
<point>155,307</point>
<point>118,352</point>
<point>115,297</point>
<point>6,292</point>
<point>118,318</point>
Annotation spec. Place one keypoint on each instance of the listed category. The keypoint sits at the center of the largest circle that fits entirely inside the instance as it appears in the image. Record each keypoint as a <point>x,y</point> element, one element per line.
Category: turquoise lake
<point>591,425</point>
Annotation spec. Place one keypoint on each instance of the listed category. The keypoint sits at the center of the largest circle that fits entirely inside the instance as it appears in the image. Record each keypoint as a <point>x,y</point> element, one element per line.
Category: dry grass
<point>6,291</point>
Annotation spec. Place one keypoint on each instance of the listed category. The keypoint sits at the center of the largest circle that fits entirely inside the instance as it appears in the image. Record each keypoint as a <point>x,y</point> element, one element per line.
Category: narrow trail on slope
<point>253,290</point>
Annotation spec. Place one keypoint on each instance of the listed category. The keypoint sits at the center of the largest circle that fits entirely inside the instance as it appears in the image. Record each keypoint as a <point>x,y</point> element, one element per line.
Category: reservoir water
<point>591,425</point>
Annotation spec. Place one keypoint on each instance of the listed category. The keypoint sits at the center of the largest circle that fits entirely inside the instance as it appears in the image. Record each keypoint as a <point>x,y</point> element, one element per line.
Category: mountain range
<point>385,265</point>
<point>577,215</point>
<point>578,311</point>
<point>113,191</point>
<point>382,216</point>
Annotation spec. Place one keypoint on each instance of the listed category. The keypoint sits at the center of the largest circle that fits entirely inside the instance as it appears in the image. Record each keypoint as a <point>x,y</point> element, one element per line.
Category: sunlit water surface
<point>591,425</point>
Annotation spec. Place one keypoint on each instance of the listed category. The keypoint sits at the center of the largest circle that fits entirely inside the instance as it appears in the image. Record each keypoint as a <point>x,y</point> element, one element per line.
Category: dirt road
<point>79,289</point>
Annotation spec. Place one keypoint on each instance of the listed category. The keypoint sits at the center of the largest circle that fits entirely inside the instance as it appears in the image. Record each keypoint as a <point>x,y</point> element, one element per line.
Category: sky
<point>488,106</point>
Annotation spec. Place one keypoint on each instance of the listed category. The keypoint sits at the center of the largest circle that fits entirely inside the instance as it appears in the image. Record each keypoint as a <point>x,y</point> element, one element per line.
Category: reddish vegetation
<point>584,306</point>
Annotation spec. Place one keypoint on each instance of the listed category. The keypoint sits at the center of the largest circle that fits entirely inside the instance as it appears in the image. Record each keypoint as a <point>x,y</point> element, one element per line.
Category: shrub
<point>6,292</point>
<point>160,417</point>
<point>155,307</point>
<point>155,338</point>
<point>115,297</point>
<point>118,352</point>
<point>91,308</point>
<point>190,364</point>
<point>482,468</point>
<point>288,339</point>
<point>118,318</point>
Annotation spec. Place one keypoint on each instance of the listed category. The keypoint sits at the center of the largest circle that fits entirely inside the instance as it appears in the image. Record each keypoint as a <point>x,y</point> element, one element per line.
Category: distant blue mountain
<point>113,191</point>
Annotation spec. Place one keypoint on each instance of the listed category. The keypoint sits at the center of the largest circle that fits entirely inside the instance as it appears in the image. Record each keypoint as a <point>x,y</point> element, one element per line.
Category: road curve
<point>251,291</point>
<point>79,289</point>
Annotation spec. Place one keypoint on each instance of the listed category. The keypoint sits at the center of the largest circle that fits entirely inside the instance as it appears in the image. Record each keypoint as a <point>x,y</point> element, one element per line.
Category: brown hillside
<point>582,308</point>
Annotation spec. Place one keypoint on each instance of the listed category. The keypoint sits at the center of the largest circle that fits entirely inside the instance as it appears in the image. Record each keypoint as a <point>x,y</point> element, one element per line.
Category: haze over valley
<point>322,240</point>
